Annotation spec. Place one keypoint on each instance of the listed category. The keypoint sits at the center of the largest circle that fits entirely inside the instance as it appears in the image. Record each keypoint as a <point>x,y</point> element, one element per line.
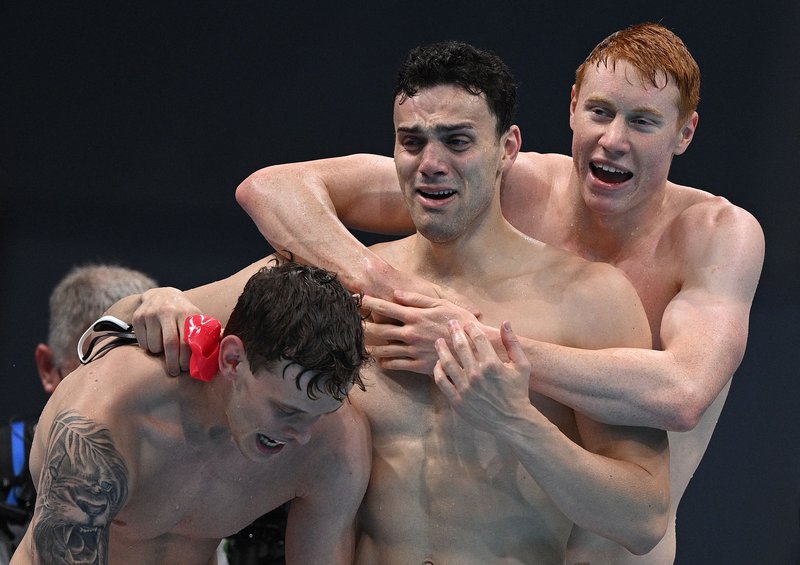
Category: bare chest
<point>653,264</point>
<point>657,280</point>
<point>203,494</point>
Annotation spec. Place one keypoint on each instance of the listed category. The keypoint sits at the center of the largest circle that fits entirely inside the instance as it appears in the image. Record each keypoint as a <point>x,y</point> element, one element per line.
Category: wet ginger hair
<point>652,49</point>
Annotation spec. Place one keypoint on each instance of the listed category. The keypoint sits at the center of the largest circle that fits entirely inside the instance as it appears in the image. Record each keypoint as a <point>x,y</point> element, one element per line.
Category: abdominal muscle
<point>443,493</point>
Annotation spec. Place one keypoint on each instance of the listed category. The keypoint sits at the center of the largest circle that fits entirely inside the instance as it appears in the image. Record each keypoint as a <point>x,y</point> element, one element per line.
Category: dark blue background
<point>124,126</point>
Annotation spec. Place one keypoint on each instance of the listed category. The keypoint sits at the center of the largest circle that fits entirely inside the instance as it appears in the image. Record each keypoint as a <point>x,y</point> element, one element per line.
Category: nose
<point>615,136</point>
<point>432,162</point>
<point>299,432</point>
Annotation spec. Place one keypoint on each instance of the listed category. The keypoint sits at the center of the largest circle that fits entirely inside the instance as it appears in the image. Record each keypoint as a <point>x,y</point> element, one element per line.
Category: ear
<point>231,356</point>
<point>686,133</point>
<point>573,102</point>
<point>48,372</point>
<point>512,143</point>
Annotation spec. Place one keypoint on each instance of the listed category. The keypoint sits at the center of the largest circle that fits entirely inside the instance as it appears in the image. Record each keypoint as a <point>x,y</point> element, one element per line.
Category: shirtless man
<point>133,467</point>
<point>694,258</point>
<point>79,298</point>
<point>470,468</point>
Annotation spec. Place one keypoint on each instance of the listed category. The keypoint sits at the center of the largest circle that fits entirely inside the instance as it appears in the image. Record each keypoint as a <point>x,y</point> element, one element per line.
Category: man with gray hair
<point>78,300</point>
<point>81,297</point>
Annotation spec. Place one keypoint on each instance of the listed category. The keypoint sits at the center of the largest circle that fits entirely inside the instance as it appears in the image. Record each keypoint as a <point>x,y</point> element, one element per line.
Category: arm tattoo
<point>83,485</point>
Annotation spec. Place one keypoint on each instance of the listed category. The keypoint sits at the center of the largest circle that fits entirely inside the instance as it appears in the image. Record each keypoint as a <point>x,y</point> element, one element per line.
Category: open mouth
<point>270,444</point>
<point>436,194</point>
<point>609,174</point>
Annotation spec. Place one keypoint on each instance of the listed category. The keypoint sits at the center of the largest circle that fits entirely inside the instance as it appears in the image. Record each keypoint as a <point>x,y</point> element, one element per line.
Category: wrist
<point>376,277</point>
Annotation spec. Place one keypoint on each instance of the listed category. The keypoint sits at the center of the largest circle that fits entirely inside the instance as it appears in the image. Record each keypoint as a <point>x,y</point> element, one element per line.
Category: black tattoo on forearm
<point>83,485</point>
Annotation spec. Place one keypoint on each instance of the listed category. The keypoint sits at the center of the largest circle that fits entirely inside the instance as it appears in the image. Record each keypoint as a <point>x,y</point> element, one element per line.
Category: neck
<point>608,236</point>
<point>215,395</point>
<point>469,257</point>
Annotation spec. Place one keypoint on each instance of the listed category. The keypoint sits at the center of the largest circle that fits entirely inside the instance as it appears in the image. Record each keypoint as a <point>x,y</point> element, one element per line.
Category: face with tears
<point>449,159</point>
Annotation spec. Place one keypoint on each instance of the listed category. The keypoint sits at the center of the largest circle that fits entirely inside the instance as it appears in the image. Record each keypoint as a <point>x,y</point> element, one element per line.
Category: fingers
<point>148,331</point>
<point>384,309</point>
<point>443,382</point>
<point>414,299</point>
<point>158,323</point>
<point>513,347</point>
<point>384,332</point>
<point>172,335</point>
<point>401,357</point>
<point>456,369</point>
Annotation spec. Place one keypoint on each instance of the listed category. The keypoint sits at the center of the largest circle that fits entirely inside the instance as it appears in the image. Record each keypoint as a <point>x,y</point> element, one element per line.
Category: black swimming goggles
<point>107,328</point>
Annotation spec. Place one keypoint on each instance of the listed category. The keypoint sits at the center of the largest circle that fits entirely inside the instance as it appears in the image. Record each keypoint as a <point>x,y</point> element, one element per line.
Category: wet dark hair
<point>475,70</point>
<point>303,315</point>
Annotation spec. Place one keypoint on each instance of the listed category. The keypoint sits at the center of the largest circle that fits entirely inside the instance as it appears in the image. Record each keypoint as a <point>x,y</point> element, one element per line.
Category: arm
<point>158,314</point>
<point>321,523</point>
<point>703,337</point>
<point>83,484</point>
<point>615,484</point>
<point>303,208</point>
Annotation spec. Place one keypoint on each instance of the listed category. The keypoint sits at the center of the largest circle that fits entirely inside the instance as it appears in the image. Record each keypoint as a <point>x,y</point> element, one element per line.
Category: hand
<point>388,281</point>
<point>408,328</point>
<point>158,323</point>
<point>480,387</point>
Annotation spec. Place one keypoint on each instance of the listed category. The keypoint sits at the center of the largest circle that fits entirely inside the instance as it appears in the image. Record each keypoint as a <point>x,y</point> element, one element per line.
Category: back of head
<point>651,49</point>
<point>303,315</point>
<point>456,63</point>
<point>81,297</point>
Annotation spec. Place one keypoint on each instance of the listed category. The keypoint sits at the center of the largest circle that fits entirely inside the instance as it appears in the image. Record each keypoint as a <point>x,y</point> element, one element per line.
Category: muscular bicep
<point>83,483</point>
<point>704,327</point>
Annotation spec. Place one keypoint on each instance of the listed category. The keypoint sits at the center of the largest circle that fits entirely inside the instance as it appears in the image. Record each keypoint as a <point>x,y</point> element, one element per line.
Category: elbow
<point>648,520</point>
<point>684,419</point>
<point>649,532</point>
<point>684,409</point>
<point>647,540</point>
<point>247,192</point>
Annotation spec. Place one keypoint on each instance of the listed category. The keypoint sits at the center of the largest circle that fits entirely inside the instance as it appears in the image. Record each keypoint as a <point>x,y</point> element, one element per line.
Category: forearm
<point>294,211</point>
<point>623,386</point>
<point>617,499</point>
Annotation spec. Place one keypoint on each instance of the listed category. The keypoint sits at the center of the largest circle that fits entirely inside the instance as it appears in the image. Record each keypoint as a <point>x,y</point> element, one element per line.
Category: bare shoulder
<point>698,209</point>
<point>536,171</point>
<point>111,389</point>
<point>541,165</point>
<point>709,227</point>
<point>529,186</point>
<point>339,454</point>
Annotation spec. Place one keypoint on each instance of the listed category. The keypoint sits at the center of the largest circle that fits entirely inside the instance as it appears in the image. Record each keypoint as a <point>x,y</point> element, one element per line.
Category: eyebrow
<point>290,408</point>
<point>441,128</point>
<point>638,110</point>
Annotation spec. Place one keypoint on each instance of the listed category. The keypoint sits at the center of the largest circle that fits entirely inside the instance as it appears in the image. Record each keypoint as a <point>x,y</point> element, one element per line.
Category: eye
<point>285,412</point>
<point>410,143</point>
<point>459,142</point>
<point>599,112</point>
<point>643,123</point>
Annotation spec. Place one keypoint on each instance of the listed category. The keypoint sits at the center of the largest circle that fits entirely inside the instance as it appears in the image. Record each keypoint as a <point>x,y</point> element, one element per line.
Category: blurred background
<point>126,128</point>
